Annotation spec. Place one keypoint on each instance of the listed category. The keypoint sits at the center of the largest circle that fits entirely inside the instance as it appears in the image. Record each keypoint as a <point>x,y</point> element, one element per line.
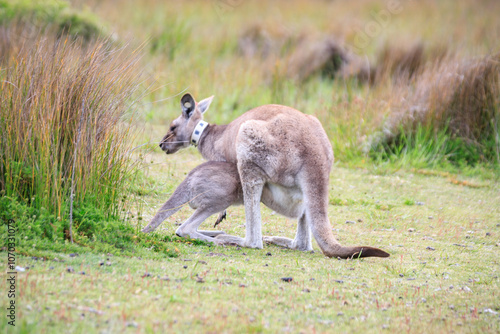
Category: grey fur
<point>214,186</point>
<point>277,150</point>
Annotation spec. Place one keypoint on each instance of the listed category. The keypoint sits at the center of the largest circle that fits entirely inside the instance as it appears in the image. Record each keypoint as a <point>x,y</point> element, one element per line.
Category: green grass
<point>420,198</point>
<point>227,289</point>
<point>67,124</point>
<point>50,16</point>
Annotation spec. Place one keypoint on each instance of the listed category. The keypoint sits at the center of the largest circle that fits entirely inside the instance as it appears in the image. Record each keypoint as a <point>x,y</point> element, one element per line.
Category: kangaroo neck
<point>210,144</point>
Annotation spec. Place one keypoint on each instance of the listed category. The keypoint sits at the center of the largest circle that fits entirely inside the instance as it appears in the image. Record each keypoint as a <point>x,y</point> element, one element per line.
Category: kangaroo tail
<point>316,203</point>
<point>354,252</point>
<point>179,198</point>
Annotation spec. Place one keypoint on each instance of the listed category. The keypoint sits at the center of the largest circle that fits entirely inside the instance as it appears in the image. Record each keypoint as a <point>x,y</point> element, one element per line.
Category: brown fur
<point>277,148</point>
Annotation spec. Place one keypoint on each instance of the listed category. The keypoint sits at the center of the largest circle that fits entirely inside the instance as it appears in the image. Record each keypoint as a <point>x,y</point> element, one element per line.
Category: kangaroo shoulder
<point>252,129</point>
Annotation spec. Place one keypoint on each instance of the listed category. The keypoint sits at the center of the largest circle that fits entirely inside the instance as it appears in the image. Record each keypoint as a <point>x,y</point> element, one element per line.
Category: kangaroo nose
<point>164,149</point>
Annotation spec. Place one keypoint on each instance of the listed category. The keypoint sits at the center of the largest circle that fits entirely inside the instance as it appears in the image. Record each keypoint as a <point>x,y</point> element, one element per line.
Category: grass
<point>442,275</point>
<point>247,65</point>
<point>67,122</point>
<point>424,198</point>
<point>50,16</point>
<point>62,109</point>
<point>449,113</point>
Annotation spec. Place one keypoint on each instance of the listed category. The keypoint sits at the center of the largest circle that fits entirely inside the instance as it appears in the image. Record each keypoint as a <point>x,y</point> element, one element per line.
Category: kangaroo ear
<point>187,104</point>
<point>204,104</point>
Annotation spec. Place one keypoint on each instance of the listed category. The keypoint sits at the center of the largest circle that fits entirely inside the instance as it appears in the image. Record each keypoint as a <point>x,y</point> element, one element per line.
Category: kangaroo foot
<point>212,234</point>
<point>286,242</point>
<point>279,241</point>
<point>225,239</point>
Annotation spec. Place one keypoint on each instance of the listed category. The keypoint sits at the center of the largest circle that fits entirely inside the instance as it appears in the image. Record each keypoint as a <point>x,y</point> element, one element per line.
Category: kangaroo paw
<point>221,217</point>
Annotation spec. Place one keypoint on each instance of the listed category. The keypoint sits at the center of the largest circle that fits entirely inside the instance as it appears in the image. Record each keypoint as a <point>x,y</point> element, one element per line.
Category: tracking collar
<point>198,130</point>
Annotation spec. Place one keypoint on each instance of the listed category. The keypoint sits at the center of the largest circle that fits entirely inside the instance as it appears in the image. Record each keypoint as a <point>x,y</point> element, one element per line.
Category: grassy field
<point>442,276</point>
<point>429,195</point>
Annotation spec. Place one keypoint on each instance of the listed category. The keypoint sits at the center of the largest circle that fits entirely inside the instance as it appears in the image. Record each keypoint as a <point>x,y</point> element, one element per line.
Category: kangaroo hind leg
<point>190,227</point>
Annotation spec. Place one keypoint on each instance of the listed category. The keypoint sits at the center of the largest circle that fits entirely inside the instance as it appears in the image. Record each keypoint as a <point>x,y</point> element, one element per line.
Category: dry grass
<point>61,109</point>
<point>324,55</point>
<point>263,41</point>
<point>459,97</point>
<point>398,62</point>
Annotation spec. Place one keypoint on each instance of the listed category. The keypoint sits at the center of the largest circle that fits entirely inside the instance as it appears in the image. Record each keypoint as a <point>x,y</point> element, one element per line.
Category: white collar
<point>198,130</point>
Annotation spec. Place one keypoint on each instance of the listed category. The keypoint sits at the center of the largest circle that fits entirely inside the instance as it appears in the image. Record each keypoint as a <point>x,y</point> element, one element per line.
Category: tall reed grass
<point>455,98</point>
<point>62,108</point>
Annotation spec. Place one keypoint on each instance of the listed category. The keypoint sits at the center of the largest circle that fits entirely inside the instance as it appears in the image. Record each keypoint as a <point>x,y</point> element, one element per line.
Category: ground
<point>443,234</point>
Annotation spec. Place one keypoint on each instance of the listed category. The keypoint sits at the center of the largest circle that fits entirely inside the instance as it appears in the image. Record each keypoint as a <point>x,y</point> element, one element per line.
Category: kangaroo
<point>274,147</point>
<point>211,188</point>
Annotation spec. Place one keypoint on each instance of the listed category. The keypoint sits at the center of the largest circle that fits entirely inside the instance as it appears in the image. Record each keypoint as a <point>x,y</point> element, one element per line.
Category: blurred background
<point>412,81</point>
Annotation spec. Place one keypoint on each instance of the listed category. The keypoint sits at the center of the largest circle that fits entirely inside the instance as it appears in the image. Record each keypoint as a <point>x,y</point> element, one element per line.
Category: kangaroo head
<point>181,129</point>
